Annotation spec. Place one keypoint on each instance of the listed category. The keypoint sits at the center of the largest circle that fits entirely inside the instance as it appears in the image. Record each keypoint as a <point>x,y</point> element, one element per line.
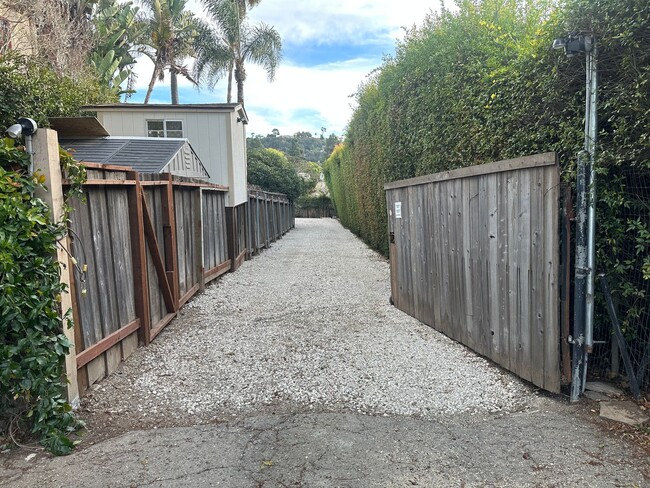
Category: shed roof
<point>146,154</point>
<point>185,107</point>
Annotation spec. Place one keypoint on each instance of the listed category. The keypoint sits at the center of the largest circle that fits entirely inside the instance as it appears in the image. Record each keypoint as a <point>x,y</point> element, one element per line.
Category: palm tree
<point>224,47</point>
<point>169,38</point>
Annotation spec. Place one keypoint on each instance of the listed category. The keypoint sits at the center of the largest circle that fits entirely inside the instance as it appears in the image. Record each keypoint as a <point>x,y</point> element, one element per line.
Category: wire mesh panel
<point>629,278</point>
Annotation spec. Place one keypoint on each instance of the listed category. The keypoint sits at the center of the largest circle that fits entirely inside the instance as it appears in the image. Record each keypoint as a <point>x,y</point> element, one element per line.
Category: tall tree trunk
<point>156,70</point>
<point>240,76</point>
<point>230,70</point>
<point>173,76</point>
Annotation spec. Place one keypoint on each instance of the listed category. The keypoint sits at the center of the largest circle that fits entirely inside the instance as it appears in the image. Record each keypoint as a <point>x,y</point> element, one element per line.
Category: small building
<point>217,132</point>
<point>143,154</point>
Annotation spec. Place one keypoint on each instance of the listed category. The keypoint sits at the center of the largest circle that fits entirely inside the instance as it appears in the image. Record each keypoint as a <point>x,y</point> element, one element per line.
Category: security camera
<point>559,43</point>
<point>15,131</point>
<point>25,127</point>
<point>574,44</point>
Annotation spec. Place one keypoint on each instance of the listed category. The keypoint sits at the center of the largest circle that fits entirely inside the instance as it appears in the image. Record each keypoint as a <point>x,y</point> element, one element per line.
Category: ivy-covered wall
<point>482,83</point>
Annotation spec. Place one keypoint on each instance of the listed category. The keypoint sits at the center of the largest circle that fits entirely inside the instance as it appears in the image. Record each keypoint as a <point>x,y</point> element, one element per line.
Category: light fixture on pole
<point>25,127</point>
<point>585,265</point>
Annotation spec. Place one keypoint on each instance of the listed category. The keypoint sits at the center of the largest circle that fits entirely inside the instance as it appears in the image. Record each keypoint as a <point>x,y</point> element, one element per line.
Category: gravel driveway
<point>295,371</point>
<point>306,325</point>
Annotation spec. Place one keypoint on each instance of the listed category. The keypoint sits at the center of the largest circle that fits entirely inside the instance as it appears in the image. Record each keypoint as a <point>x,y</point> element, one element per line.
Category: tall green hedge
<point>481,83</point>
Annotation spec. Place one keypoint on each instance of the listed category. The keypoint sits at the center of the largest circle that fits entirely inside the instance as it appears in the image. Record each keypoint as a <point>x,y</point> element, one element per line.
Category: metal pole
<point>591,134</point>
<point>30,150</point>
<point>578,338</point>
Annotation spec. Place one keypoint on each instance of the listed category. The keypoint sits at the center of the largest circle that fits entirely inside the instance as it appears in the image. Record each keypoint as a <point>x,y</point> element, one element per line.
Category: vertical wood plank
<point>537,292</point>
<point>552,376</point>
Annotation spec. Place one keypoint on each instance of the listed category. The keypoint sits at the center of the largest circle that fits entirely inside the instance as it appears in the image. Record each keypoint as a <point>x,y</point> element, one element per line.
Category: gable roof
<point>143,154</point>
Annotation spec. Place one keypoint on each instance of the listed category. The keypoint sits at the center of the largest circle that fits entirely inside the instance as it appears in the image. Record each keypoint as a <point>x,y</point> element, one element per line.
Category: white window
<point>164,128</point>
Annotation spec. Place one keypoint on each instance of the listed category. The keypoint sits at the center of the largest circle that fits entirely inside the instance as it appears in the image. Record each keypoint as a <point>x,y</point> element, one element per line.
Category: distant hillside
<point>302,145</point>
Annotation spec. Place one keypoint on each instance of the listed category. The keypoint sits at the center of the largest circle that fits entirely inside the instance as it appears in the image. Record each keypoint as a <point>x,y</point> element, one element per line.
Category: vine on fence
<point>33,347</point>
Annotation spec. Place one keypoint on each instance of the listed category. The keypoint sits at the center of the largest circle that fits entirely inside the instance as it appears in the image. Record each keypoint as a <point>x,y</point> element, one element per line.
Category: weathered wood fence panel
<point>215,235</point>
<point>149,243</point>
<point>270,216</point>
<point>475,252</point>
<point>104,294</point>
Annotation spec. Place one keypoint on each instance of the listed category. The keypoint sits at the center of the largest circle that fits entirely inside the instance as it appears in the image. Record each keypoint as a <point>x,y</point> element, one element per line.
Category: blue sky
<point>329,48</point>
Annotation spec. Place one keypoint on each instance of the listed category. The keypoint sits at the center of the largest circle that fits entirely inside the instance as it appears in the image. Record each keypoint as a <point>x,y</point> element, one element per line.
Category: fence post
<point>47,163</point>
<point>231,233</point>
<point>198,240</point>
<point>139,257</point>
<point>169,237</point>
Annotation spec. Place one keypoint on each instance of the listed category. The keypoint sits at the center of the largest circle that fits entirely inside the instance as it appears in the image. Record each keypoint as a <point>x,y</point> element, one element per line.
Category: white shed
<point>217,132</point>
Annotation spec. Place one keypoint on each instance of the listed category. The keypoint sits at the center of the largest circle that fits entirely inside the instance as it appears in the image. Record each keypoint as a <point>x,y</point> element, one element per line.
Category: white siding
<point>239,175</point>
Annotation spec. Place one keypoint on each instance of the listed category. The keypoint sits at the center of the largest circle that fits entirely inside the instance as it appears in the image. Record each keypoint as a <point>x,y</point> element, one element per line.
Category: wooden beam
<point>154,248</point>
<point>67,182</point>
<point>48,164</point>
<point>169,235</point>
<point>189,184</point>
<point>162,324</point>
<point>241,258</point>
<point>108,167</point>
<point>231,237</point>
<point>190,293</point>
<point>106,343</point>
<point>198,237</point>
<point>217,271</point>
<point>545,159</point>
<point>139,258</point>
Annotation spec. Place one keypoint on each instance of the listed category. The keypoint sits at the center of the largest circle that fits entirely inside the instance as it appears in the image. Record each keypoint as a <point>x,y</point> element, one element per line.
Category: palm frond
<point>263,46</point>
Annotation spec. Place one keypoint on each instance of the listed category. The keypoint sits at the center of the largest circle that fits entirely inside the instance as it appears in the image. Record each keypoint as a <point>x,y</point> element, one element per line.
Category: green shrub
<point>270,170</point>
<point>33,346</point>
<point>28,88</point>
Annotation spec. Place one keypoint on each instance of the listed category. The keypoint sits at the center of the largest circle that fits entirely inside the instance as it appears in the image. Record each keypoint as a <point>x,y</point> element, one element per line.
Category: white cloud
<point>288,103</point>
<point>304,98</point>
<point>336,20</point>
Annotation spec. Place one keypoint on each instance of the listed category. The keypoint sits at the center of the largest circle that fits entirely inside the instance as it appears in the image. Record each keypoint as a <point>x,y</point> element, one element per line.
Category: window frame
<point>165,130</point>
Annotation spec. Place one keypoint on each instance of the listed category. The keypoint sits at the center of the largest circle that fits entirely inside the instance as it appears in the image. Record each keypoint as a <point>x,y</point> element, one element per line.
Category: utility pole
<point>585,261</point>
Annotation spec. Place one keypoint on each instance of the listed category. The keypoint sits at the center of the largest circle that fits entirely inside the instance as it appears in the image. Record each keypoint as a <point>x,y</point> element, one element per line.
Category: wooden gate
<point>474,253</point>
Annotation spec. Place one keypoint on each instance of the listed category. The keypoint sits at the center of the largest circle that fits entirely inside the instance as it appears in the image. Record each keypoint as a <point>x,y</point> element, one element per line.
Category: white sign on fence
<point>398,210</point>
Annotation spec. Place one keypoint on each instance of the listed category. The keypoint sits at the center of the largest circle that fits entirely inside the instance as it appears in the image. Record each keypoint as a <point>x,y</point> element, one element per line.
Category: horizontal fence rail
<point>474,253</point>
<point>144,245</point>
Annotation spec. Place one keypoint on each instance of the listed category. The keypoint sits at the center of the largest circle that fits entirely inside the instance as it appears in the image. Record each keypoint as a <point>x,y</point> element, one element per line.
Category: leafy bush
<point>33,346</point>
<point>270,170</point>
<point>30,89</point>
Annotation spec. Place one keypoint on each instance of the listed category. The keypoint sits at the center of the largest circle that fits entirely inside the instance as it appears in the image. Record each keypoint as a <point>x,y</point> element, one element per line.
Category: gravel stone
<point>305,326</point>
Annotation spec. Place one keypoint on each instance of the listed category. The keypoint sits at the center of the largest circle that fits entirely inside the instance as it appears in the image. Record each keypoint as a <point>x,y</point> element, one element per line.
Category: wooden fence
<point>144,245</point>
<point>270,216</point>
<point>474,253</point>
